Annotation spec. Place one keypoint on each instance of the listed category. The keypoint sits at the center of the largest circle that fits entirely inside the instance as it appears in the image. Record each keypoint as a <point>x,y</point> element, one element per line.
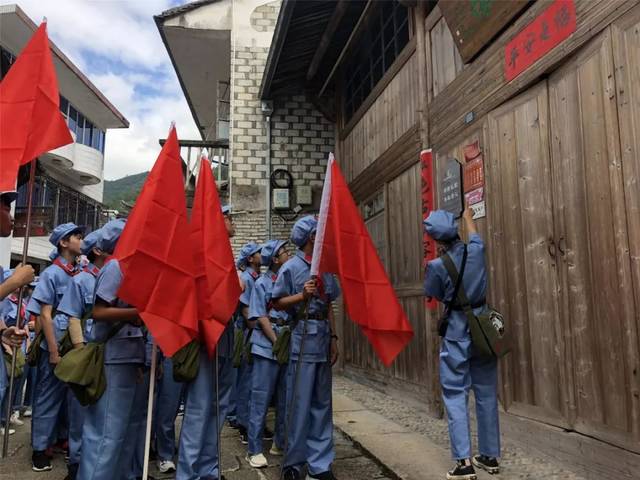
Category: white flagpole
<point>322,219</point>
<point>152,387</point>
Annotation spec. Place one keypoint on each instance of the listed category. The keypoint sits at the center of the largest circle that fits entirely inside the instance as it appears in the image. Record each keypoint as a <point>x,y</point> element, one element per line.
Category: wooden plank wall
<point>481,86</point>
<point>446,62</point>
<point>392,114</point>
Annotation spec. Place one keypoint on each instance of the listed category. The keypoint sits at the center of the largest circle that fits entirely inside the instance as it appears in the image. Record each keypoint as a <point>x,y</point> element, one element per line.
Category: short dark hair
<point>6,200</point>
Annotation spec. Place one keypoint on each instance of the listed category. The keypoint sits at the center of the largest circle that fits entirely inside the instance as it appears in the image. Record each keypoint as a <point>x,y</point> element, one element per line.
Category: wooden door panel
<point>626,51</point>
<point>522,219</point>
<point>593,241</point>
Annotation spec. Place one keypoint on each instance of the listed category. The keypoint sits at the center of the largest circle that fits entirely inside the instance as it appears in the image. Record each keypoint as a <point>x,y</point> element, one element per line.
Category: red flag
<point>343,246</point>
<point>156,257</point>
<point>217,283</point>
<point>30,118</point>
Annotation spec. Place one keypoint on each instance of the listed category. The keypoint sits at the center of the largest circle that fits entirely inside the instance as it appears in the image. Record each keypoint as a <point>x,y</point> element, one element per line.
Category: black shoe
<point>322,476</point>
<point>488,464</point>
<point>234,424</point>
<point>267,434</point>
<point>244,437</point>
<point>291,474</point>
<point>40,462</point>
<point>462,471</point>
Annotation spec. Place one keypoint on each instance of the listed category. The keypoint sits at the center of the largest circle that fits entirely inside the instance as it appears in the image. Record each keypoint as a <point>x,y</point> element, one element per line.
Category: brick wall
<point>301,137</point>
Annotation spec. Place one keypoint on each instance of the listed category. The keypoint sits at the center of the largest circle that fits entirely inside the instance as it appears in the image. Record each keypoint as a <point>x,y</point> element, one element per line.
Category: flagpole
<point>147,437</point>
<point>25,252</point>
<point>218,446</point>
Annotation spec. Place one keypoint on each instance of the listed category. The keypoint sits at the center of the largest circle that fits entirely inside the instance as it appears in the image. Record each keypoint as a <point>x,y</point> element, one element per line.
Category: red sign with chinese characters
<point>547,31</point>
<point>428,204</point>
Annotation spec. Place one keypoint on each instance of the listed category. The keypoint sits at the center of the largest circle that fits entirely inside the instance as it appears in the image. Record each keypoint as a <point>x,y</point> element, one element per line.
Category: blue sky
<point>117,45</point>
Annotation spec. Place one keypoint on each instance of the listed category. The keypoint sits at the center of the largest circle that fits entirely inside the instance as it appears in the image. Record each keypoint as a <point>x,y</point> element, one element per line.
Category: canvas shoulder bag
<point>487,329</point>
<point>83,369</point>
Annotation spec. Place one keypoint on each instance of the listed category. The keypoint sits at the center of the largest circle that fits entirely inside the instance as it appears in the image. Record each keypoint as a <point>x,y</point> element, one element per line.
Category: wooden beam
<point>422,52</point>
<point>325,41</point>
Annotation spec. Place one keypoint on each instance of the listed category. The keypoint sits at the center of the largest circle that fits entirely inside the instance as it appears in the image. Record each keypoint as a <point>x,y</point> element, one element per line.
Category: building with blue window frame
<point>69,180</point>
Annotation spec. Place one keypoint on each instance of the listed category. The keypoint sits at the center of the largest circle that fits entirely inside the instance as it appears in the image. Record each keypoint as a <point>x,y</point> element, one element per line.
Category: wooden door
<point>593,241</point>
<point>523,257</point>
<point>626,50</point>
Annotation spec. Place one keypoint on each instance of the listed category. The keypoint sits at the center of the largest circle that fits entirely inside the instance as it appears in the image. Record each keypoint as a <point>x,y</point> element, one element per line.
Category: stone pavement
<point>351,463</point>
<point>377,437</point>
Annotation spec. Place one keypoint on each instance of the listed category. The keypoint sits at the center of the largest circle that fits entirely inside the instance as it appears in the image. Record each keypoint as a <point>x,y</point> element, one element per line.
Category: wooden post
<point>419,14</point>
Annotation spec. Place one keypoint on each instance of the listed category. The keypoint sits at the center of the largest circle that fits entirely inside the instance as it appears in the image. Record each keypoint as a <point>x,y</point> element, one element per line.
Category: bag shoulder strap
<point>114,331</point>
<point>459,294</point>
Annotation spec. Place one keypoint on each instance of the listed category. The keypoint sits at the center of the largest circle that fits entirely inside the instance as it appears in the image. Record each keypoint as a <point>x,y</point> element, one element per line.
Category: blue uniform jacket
<point>78,300</point>
<point>260,306</point>
<point>52,285</point>
<point>291,279</point>
<point>128,345</point>
<point>438,283</point>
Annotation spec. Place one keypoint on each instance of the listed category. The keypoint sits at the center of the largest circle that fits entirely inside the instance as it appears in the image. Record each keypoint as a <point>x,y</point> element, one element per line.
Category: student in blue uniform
<point>232,417</point>
<point>168,400</point>
<point>22,275</point>
<point>250,256</point>
<point>49,399</point>
<point>108,440</point>
<point>198,446</point>
<point>73,316</point>
<point>268,377</point>
<point>308,303</point>
<point>460,370</point>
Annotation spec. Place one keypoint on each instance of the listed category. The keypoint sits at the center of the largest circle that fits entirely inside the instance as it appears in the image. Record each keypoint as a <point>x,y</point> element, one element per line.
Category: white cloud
<point>117,45</point>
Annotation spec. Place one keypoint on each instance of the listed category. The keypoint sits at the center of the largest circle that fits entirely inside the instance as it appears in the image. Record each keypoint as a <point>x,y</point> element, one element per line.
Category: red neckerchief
<point>93,270</point>
<point>68,268</point>
<point>14,299</point>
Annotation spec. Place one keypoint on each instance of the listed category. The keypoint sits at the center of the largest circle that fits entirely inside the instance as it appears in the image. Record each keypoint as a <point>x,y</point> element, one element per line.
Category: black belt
<point>315,316</point>
<point>280,322</point>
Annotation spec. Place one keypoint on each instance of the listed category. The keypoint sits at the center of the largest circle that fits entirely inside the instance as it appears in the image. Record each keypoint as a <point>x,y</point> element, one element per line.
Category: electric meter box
<point>304,195</point>
<point>281,198</point>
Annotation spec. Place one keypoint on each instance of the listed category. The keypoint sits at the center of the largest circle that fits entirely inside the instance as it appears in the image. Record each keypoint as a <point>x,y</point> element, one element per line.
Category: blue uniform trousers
<point>49,402</point>
<point>168,400</point>
<point>268,378</point>
<point>243,393</point>
<point>138,427</point>
<point>76,423</point>
<point>108,437</point>
<point>460,371</point>
<point>311,430</point>
<point>198,450</point>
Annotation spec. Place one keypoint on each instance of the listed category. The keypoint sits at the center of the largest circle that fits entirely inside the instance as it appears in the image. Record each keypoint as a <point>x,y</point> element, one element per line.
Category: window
<point>379,46</point>
<point>80,129</point>
<point>73,119</point>
<point>6,60</point>
<point>64,106</point>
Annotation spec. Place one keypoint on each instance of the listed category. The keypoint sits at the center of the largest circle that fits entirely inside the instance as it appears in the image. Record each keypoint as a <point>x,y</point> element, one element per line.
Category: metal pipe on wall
<point>268,199</point>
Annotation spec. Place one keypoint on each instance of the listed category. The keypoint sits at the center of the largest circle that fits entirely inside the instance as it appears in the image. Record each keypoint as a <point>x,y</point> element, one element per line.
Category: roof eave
<point>277,43</point>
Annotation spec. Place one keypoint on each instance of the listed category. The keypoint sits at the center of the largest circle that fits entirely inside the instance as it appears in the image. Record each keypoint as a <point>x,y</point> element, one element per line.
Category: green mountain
<point>125,188</point>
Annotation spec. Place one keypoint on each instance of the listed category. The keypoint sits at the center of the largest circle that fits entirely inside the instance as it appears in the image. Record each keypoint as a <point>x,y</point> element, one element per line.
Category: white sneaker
<point>276,451</point>
<point>27,413</point>
<point>15,419</point>
<point>11,431</point>
<point>258,461</point>
<point>166,466</point>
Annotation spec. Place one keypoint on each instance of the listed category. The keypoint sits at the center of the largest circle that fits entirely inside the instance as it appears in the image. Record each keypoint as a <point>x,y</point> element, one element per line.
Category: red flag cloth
<point>218,288</point>
<point>30,118</point>
<point>347,251</point>
<point>155,255</point>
